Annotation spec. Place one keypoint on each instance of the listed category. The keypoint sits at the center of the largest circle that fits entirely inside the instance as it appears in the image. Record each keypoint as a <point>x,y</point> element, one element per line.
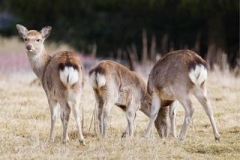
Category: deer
<point>176,75</point>
<point>61,76</point>
<point>114,84</point>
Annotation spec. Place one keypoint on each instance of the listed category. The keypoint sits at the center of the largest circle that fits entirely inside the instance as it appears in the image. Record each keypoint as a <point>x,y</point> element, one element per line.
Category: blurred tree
<point>221,19</point>
<point>115,24</point>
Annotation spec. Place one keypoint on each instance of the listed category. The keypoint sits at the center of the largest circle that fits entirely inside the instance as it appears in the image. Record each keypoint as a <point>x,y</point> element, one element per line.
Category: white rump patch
<point>198,75</point>
<point>101,80</point>
<point>69,76</point>
<point>97,80</point>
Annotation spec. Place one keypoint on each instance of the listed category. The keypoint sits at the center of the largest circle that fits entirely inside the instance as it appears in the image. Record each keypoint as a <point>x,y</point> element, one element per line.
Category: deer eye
<point>25,39</point>
<point>38,40</point>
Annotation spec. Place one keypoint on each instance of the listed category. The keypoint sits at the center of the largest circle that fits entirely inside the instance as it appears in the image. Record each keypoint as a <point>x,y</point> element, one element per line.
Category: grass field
<point>25,123</point>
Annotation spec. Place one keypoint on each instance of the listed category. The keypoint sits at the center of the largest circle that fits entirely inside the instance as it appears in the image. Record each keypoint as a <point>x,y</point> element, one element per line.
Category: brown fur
<point>48,71</point>
<point>170,80</point>
<point>50,81</point>
<point>131,93</point>
<point>123,88</point>
<point>181,61</point>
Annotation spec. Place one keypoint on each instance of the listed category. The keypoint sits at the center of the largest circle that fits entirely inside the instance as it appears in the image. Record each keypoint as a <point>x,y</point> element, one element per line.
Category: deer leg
<point>65,119</point>
<point>99,108</point>
<point>201,95</point>
<point>162,122</point>
<point>127,131</point>
<point>100,122</point>
<point>78,118</point>
<point>156,104</point>
<point>104,117</point>
<point>189,110</point>
<point>62,118</point>
<point>130,119</point>
<point>172,115</point>
<point>131,115</point>
<point>53,110</point>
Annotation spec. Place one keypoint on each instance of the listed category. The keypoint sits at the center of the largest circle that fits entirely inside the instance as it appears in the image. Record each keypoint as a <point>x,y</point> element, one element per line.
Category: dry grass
<point>25,125</point>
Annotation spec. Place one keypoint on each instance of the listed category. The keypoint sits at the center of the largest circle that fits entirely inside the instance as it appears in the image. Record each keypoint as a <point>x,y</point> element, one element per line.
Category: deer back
<point>109,76</point>
<point>177,71</point>
<point>64,73</point>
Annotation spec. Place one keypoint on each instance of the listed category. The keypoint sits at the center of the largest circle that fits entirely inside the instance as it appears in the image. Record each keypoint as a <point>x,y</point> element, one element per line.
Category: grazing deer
<point>114,84</point>
<point>172,78</point>
<point>61,75</point>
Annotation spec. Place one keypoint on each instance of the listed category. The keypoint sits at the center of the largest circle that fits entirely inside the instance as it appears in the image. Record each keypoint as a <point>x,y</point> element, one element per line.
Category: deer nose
<point>29,47</point>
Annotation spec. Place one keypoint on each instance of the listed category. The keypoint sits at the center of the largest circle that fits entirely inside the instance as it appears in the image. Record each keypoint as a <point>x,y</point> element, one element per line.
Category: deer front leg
<point>131,115</point>
<point>156,104</point>
<point>53,110</point>
<point>126,132</point>
<point>172,116</point>
<point>162,122</point>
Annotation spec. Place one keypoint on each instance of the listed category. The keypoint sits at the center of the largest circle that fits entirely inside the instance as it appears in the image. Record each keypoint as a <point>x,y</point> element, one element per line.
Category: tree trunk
<point>145,47</point>
<point>216,43</point>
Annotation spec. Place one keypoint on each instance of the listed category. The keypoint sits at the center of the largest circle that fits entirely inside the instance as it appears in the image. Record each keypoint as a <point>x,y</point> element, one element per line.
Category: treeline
<point>114,25</point>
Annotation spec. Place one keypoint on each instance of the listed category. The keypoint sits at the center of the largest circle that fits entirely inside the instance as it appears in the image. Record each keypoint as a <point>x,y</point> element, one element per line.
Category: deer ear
<point>22,30</point>
<point>46,31</point>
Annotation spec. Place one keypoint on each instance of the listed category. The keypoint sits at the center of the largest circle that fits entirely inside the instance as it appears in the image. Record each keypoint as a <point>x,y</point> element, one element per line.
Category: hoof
<point>50,140</point>
<point>64,141</point>
<point>82,141</point>
<point>180,139</point>
<point>124,135</point>
<point>172,135</point>
<point>217,139</point>
<point>146,136</point>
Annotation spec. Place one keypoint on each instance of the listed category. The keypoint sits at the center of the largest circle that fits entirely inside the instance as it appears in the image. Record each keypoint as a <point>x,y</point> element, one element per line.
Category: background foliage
<point>115,24</point>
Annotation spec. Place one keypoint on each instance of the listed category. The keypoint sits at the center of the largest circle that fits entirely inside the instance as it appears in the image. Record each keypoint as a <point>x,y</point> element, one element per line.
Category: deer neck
<point>39,62</point>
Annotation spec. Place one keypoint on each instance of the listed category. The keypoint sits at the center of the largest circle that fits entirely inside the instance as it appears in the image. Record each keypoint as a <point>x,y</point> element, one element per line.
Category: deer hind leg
<point>201,95</point>
<point>65,115</point>
<point>104,116</point>
<point>104,107</point>
<point>172,116</point>
<point>189,110</point>
<point>62,119</point>
<point>78,118</point>
<point>156,104</point>
<point>53,110</point>
<point>99,112</point>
